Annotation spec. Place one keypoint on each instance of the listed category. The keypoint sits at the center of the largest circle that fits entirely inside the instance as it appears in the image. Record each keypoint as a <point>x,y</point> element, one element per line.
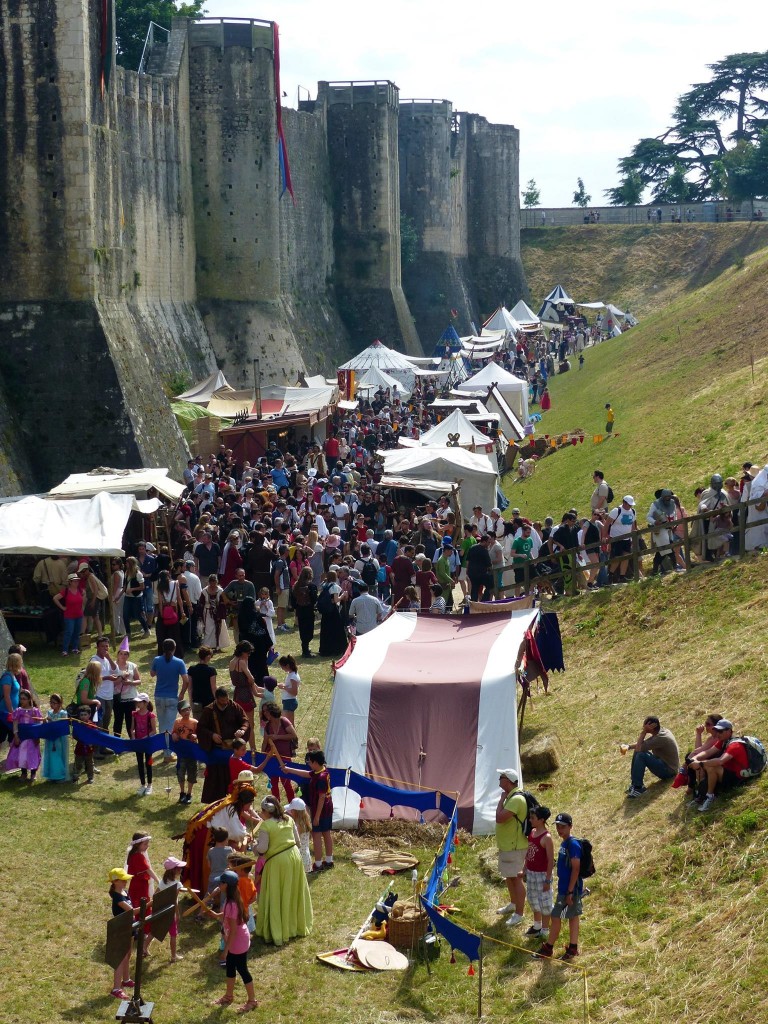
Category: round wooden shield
<point>381,956</point>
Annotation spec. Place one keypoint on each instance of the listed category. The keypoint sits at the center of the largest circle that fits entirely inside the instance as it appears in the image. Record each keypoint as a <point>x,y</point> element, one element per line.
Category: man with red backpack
<point>734,767</point>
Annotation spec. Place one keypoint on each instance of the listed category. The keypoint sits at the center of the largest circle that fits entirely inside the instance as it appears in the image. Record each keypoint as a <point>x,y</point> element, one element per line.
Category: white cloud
<point>582,82</point>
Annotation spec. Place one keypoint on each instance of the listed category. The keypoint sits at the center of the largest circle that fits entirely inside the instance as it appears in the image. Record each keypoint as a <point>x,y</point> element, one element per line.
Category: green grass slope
<point>682,388</point>
<point>637,267</point>
<point>677,914</point>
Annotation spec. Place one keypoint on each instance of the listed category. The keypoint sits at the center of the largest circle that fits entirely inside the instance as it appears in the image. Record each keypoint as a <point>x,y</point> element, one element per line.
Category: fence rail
<point>568,575</point>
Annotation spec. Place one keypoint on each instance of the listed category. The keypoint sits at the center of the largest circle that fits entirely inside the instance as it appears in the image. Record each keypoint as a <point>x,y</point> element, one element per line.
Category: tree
<point>629,192</point>
<point>531,195</point>
<point>703,153</point>
<point>580,196</point>
<point>132,18</point>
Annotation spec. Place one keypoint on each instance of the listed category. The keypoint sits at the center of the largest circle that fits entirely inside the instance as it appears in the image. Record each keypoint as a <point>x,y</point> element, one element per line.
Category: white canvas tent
<point>201,394</point>
<point>41,526</point>
<point>119,481</point>
<point>456,423</point>
<point>447,722</point>
<point>445,465</point>
<point>377,379</point>
<point>512,388</point>
<point>393,363</point>
<point>524,315</point>
<point>502,320</point>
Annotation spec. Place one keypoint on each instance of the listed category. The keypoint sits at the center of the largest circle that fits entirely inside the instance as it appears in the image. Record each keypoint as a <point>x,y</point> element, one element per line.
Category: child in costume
<point>298,811</point>
<point>138,866</point>
<point>56,753</point>
<point>185,728</point>
<point>143,724</point>
<point>121,904</point>
<point>237,942</point>
<point>320,805</point>
<point>24,754</point>
<point>84,751</point>
<point>172,876</point>
<point>237,763</point>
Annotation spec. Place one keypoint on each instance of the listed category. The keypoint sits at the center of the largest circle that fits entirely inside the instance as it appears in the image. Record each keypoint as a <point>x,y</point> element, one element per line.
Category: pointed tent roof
<point>378,355</point>
<point>455,423</point>
<point>448,337</point>
<point>375,376</point>
<point>559,294</point>
<point>501,320</point>
<point>200,394</point>
<point>492,373</point>
<point>523,313</point>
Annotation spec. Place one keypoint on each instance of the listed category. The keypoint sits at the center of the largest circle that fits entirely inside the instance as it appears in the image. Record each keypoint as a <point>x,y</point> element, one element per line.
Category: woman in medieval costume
<point>212,614</point>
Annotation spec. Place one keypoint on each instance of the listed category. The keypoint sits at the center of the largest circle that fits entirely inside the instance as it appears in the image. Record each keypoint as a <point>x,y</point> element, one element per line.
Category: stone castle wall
<point>144,241</point>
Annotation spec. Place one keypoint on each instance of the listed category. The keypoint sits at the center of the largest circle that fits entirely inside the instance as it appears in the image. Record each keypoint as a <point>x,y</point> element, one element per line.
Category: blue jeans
<point>167,709</point>
<point>71,637</point>
<point>148,600</point>
<point>133,610</point>
<point>642,759</point>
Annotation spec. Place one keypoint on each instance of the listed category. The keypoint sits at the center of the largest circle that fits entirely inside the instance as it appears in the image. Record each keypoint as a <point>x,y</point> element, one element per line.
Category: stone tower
<point>362,119</point>
<point>432,202</point>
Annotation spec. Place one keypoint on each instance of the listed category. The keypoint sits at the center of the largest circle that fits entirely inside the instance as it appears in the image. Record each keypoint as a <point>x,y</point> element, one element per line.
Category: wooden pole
<point>480,983</point>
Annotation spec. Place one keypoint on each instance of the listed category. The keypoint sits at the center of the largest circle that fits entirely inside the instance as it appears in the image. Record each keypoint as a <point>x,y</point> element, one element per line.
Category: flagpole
<point>480,983</point>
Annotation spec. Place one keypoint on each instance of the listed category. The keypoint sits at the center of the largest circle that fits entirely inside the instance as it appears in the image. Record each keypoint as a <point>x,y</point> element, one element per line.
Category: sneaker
<point>544,933</point>
<point>182,798</point>
<point>328,864</point>
<point>511,922</point>
<point>148,791</point>
<point>533,930</point>
<point>571,952</point>
<point>97,771</point>
<point>707,802</point>
<point>508,908</point>
<point>144,634</point>
<point>633,793</point>
<point>188,798</point>
<point>119,994</point>
<point>129,984</point>
<point>141,791</point>
<point>545,951</point>
<point>89,782</point>
<point>696,802</point>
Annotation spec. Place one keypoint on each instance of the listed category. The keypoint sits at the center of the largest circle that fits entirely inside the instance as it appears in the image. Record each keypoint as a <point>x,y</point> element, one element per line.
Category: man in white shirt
<point>480,520</point>
<point>496,551</point>
<point>106,689</point>
<point>496,524</point>
<point>341,514</point>
<point>365,611</point>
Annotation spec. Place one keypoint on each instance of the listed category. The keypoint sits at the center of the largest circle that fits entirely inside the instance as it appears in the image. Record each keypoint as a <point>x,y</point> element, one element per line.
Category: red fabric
<point>740,760</point>
<point>536,855</point>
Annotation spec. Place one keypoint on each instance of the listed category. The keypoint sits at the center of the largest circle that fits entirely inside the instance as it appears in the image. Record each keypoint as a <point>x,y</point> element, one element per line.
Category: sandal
<point>247,1007</point>
<point>222,1002</point>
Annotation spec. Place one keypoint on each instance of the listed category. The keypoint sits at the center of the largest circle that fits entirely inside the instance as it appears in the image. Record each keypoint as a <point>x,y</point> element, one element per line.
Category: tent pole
<point>480,983</point>
<point>110,604</point>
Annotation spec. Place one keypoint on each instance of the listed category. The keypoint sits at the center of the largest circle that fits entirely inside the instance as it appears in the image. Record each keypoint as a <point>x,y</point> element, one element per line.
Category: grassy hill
<point>681,385</point>
<point>677,912</point>
<point>641,268</point>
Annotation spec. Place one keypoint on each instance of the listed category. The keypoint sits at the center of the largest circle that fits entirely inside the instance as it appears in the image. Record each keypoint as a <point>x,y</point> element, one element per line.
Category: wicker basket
<point>407,924</point>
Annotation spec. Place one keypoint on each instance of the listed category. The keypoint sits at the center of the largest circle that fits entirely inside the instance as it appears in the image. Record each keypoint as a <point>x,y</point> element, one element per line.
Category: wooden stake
<point>480,983</point>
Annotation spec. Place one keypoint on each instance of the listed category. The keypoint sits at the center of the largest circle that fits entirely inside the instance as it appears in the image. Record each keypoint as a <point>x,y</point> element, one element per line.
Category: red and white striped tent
<point>431,701</point>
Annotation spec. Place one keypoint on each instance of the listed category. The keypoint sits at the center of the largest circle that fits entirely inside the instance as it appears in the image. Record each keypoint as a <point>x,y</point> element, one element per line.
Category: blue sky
<point>582,81</point>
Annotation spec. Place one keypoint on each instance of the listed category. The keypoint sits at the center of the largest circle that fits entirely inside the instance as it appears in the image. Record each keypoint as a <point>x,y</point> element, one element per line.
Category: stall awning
<point>41,526</point>
<point>119,481</point>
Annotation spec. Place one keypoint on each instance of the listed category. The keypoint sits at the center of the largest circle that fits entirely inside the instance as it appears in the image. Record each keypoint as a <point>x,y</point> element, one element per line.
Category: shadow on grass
<point>409,992</point>
<point>632,808</point>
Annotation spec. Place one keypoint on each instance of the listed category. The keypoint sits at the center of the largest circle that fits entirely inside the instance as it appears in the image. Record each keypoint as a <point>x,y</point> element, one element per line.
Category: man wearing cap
<point>446,569</point>
<point>495,523</point>
<point>569,891</point>
<point>618,526</point>
<point>655,750</point>
<point>511,812</point>
<point>725,770</point>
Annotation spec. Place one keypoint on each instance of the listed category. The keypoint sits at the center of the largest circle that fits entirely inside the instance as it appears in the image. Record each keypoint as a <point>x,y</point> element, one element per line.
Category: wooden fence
<point>566,569</point>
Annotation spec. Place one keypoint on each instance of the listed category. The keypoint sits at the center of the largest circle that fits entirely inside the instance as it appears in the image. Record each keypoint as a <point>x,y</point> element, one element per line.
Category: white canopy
<point>200,394</point>
<point>512,388</point>
<point>523,313</point>
<point>488,338</point>
<point>423,360</point>
<point>475,353</point>
<point>502,320</point>
<point>376,378</point>
<point>118,481</point>
<point>479,477</point>
<point>456,423</point>
<point>40,526</point>
<point>482,346</point>
<point>394,363</point>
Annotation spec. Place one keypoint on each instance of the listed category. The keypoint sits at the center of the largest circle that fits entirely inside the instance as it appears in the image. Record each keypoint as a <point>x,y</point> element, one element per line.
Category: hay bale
<point>489,865</point>
<point>541,756</point>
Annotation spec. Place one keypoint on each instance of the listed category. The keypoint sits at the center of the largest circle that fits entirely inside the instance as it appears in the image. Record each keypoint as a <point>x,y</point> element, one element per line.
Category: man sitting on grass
<point>725,770</point>
<point>656,750</point>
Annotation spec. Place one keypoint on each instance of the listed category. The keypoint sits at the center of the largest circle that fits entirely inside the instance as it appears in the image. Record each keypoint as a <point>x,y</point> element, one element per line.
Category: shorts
<point>282,599</point>
<point>731,779</point>
<point>511,862</point>
<point>563,911</point>
<point>620,548</point>
<point>539,898</point>
<point>186,767</point>
<point>462,574</point>
<point>325,824</point>
<point>290,703</point>
<point>520,575</point>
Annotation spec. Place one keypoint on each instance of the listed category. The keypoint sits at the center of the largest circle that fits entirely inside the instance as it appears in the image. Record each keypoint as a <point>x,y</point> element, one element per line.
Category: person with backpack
<point>742,759</point>
<point>368,567</point>
<point>618,526</point>
<point>512,826</point>
<point>570,888</point>
<point>602,496</point>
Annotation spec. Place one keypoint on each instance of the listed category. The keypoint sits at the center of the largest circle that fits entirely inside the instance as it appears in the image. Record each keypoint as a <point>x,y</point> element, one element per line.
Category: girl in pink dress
<point>24,754</point>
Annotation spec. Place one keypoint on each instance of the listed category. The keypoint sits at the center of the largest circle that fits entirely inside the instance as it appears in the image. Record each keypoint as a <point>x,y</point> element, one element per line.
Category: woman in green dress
<point>285,906</point>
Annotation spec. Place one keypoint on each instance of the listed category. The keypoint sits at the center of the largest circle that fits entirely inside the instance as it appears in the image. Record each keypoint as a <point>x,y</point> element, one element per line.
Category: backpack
<point>586,865</point>
<point>532,804</point>
<point>610,494</point>
<point>324,599</point>
<point>756,757</point>
<point>369,573</point>
<point>381,575</point>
